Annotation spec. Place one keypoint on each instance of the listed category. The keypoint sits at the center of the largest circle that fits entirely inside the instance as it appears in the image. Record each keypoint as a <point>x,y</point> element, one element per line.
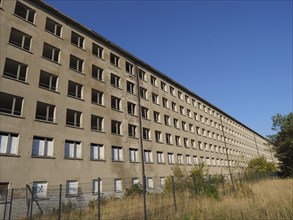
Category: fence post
<point>99,199</point>
<point>194,184</point>
<point>239,176</point>
<point>10,207</point>
<point>60,202</point>
<point>223,183</point>
<point>32,203</point>
<point>4,215</point>
<point>174,194</point>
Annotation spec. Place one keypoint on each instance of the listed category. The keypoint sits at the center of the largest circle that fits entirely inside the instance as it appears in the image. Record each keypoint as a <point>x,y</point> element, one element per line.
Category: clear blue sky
<point>235,54</point>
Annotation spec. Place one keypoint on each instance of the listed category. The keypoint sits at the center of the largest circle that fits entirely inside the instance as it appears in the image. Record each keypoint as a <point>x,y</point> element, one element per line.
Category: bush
<point>136,189</point>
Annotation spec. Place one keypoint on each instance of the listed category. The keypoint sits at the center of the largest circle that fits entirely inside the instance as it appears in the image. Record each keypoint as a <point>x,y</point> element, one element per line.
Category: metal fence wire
<point>104,201</point>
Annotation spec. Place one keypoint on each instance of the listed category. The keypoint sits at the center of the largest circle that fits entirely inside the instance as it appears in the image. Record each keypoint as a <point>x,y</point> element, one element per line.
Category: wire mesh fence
<point>121,198</point>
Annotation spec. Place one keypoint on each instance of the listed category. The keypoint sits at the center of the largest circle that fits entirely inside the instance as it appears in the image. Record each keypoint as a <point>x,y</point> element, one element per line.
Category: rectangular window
<point>115,103</point>
<point>150,183</point>
<point>115,80</point>
<point>165,102</point>
<point>10,104</point>
<point>133,155</point>
<point>135,181</point>
<point>143,93</point>
<point>192,142</point>
<point>184,126</point>
<point>97,123</point>
<point>171,158</point>
<point>114,59</point>
<point>117,185</point>
<point>179,158</point>
<point>195,160</point>
<point>188,112</point>
<point>182,110</point>
<point>163,86</point>
<point>148,156</point>
<point>77,39</point>
<point>160,157</point>
<point>75,90</point>
<point>97,50</point>
<point>53,27</point>
<point>178,140</point>
<point>155,98</point>
<point>42,147</point>
<point>72,150</point>
<point>144,112</point>
<point>142,74</point>
<point>45,112</point>
<point>174,107</point>
<point>48,81</point>
<point>3,186</point>
<point>20,39</point>
<point>97,97</point>
<point>158,136</point>
<point>97,73</point>
<point>168,138</point>
<point>115,127</point>
<point>180,95</point>
<point>71,188</point>
<point>129,67</point>
<point>97,152</point>
<point>162,181</point>
<point>117,153</point>
<point>176,123</point>
<point>157,117</point>
<point>8,143</point>
<point>130,87</point>
<point>131,108</point>
<point>146,133</point>
<point>95,186</point>
<point>167,120</point>
<point>76,63</point>
<point>191,128</point>
<point>15,70</point>
<point>154,81</point>
<point>51,53</point>
<point>187,99</point>
<point>73,118</point>
<point>40,189</point>
<point>172,91</point>
<point>24,12</point>
<point>188,160</point>
<point>131,130</point>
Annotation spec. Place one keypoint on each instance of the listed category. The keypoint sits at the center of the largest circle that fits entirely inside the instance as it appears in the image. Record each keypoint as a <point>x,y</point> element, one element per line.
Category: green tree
<point>283,142</point>
<point>260,164</point>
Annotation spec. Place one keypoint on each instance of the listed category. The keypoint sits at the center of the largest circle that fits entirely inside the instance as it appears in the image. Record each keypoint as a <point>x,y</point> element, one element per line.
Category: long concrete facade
<point>74,106</point>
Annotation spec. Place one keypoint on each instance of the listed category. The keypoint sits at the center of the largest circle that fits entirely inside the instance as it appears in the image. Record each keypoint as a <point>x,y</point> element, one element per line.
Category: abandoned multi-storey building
<point>74,106</point>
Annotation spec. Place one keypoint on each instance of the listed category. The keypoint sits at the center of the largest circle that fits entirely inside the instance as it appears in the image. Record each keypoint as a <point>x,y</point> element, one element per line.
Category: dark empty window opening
<point>51,53</point>
<point>10,104</point>
<point>45,112</point>
<point>20,39</point>
<point>24,12</point>
<point>73,118</point>
<point>74,89</point>
<point>15,70</point>
<point>48,81</point>
<point>53,27</point>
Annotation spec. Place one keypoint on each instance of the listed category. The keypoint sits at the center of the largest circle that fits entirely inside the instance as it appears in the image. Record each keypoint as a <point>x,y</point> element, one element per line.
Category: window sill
<point>78,46</point>
<point>116,66</point>
<point>71,196</point>
<point>116,110</point>
<point>156,103</point>
<point>99,80</point>
<point>46,122</point>
<point>158,122</point>
<point>11,115</point>
<point>162,163</point>
<point>118,161</point>
<point>148,140</point>
<point>72,126</point>
<point>80,72</point>
<point>51,60</point>
<point>41,87</point>
<point>24,20</point>
<point>119,135</point>
<point>160,142</point>
<point>116,87</point>
<point>94,103</point>
<point>134,162</point>
<point>148,162</point>
<point>98,160</point>
<point>132,115</point>
<point>169,144</point>
<point>143,98</point>
<point>43,157</point>
<point>9,155</point>
<point>75,98</point>
<point>17,80</point>
<point>18,47</point>
<point>131,93</point>
<point>53,34</point>
<point>146,119</point>
<point>136,138</point>
<point>101,58</point>
<point>98,131</point>
<point>71,158</point>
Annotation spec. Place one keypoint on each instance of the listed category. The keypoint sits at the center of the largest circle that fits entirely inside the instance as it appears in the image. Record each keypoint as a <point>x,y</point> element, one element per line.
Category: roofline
<point>132,57</point>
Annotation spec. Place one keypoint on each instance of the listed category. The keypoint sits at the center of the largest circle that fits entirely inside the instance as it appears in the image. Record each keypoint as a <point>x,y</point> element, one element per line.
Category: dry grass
<point>268,199</point>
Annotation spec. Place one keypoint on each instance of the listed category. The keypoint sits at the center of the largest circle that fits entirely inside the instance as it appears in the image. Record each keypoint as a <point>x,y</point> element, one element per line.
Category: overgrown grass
<point>266,199</point>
